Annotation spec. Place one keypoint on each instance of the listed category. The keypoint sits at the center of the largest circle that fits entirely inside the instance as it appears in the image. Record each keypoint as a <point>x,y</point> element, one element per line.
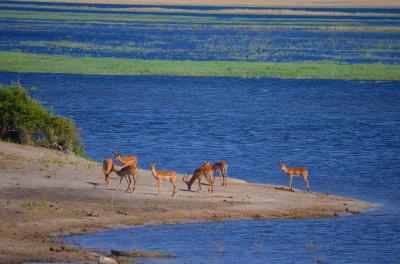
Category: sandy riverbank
<point>268,3</point>
<point>43,194</point>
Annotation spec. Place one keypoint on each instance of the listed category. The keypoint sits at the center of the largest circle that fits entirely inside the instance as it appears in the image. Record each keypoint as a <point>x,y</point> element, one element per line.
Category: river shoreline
<point>44,195</point>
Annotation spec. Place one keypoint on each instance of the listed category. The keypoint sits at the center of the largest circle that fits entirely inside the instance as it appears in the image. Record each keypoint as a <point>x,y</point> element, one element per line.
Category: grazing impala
<point>202,171</point>
<point>125,160</point>
<point>222,167</point>
<point>108,165</point>
<point>163,175</point>
<point>303,172</point>
<point>129,172</point>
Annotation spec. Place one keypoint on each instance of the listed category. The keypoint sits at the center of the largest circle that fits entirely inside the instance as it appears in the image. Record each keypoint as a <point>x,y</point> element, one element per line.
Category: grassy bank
<point>26,62</point>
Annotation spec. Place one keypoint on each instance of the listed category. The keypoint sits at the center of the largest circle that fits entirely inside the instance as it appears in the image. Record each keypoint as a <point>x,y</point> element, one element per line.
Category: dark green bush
<point>26,121</point>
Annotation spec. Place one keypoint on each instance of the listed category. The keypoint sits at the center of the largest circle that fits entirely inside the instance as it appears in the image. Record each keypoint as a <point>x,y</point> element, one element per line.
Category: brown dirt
<point>44,194</point>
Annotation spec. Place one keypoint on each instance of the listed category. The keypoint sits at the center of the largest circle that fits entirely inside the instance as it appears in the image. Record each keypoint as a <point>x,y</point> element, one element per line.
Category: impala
<point>125,160</point>
<point>206,171</point>
<point>108,165</point>
<point>296,171</point>
<point>129,172</point>
<point>163,175</point>
<point>222,167</point>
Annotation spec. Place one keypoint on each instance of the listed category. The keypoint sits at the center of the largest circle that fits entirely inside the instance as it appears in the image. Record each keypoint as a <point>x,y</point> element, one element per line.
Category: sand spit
<point>44,194</point>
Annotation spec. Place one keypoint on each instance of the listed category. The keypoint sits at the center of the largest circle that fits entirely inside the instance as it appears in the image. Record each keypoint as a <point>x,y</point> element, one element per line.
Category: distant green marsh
<point>26,62</point>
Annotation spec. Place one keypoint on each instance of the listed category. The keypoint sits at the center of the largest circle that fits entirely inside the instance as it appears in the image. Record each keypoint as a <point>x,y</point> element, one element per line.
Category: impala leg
<point>158,188</point>
<point>210,185</point>
<point>119,185</point>
<point>134,181</point>
<point>131,180</point>
<point>306,183</point>
<point>174,191</point>
<point>291,183</point>
<point>199,188</point>
<point>173,181</point>
<point>128,181</point>
<point>226,177</point>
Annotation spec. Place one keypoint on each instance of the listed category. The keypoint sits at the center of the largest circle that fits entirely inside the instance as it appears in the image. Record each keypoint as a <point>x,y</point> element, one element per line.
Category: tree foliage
<point>26,121</point>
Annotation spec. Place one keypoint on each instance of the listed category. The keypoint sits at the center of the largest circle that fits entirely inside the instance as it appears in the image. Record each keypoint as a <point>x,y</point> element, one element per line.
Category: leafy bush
<point>26,121</point>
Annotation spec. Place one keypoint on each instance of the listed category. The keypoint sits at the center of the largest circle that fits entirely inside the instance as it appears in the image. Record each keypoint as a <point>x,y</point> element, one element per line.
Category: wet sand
<point>44,194</point>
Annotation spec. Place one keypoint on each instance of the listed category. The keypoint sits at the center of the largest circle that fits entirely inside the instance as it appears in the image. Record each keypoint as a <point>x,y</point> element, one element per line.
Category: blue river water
<point>346,132</point>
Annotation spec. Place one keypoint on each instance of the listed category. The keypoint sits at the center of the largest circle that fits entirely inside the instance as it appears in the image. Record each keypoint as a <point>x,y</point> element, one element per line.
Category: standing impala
<point>209,172</point>
<point>125,160</point>
<point>222,167</point>
<point>163,175</point>
<point>108,165</point>
<point>296,171</point>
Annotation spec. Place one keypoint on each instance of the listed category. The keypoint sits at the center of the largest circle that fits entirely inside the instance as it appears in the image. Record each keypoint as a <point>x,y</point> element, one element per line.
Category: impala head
<point>207,163</point>
<point>117,154</point>
<point>185,180</point>
<point>153,165</point>
<point>282,163</point>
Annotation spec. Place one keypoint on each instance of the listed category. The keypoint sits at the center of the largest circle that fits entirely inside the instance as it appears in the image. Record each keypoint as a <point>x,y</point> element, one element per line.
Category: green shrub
<point>79,152</point>
<point>26,121</point>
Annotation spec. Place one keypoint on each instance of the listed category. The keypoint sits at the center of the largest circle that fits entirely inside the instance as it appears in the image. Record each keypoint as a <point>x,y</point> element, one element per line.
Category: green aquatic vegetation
<point>177,9</point>
<point>71,16</point>
<point>117,48</point>
<point>188,21</point>
<point>27,62</point>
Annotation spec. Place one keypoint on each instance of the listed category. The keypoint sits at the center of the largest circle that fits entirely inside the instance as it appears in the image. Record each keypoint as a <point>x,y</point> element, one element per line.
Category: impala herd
<point>208,170</point>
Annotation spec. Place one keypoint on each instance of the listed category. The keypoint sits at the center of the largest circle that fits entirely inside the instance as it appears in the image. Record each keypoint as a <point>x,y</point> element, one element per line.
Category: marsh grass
<point>36,206</point>
<point>134,222</point>
<point>111,201</point>
<point>272,23</point>
<point>151,206</point>
<point>27,62</point>
<point>117,48</point>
